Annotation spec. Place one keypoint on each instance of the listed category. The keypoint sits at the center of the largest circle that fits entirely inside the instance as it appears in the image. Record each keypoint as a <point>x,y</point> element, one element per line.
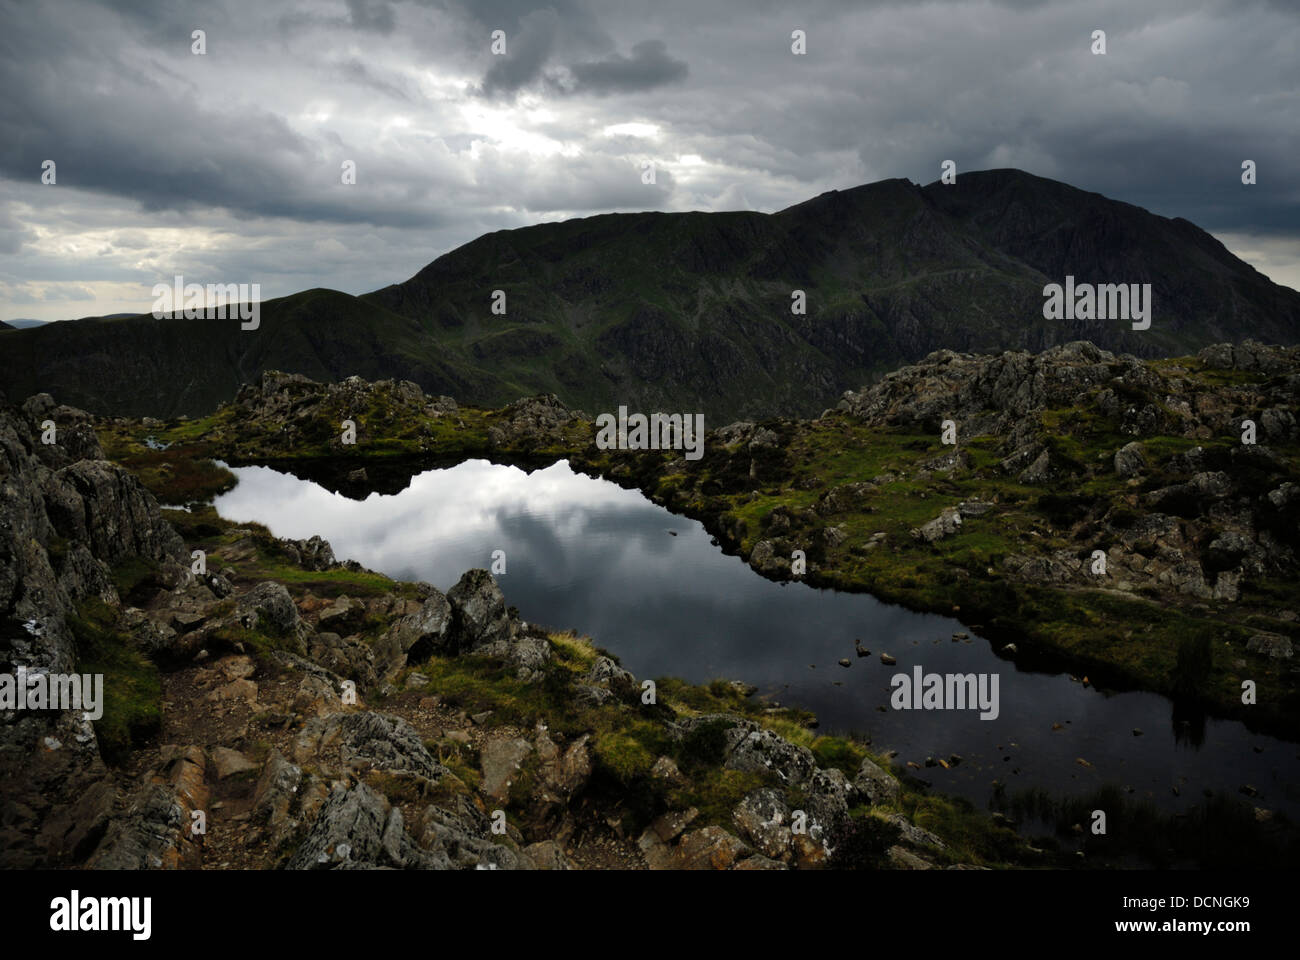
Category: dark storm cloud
<point>145,132</point>
<point>231,162</point>
<point>536,45</point>
<point>509,15</point>
<point>168,153</point>
<point>154,18</point>
<point>649,66</point>
<point>527,52</point>
<point>376,15</point>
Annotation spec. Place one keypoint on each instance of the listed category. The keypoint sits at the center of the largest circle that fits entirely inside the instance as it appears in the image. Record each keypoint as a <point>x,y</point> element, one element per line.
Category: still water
<point>650,587</point>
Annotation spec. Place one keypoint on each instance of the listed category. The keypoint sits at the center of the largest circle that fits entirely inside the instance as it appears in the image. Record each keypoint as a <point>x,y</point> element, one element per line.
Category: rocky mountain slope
<point>693,311</point>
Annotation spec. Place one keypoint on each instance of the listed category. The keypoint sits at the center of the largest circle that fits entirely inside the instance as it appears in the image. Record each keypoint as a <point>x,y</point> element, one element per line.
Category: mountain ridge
<point>693,310</point>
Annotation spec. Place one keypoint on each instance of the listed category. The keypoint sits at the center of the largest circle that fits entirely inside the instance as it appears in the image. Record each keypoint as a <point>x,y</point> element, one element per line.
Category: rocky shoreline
<point>337,725</point>
<point>1058,455</point>
<point>1099,513</point>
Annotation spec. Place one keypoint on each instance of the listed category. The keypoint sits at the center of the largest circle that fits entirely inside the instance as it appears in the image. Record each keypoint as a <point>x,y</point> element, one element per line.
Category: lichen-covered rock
<point>269,608</point>
<point>462,835</point>
<point>763,818</point>
<point>945,525</point>
<point>875,785</point>
<point>368,739</point>
<point>349,657</point>
<point>764,559</point>
<point>709,848</point>
<point>1130,460</point>
<point>65,516</point>
<point>310,554</point>
<point>478,611</point>
<point>274,795</point>
<point>357,829</point>
<point>501,759</point>
<point>607,674</point>
<point>1272,645</point>
<point>154,830</point>
<point>535,421</point>
<point>417,636</point>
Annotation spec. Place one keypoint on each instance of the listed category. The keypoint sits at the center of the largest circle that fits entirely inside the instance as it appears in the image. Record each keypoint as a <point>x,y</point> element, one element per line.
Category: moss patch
<point>132,708</point>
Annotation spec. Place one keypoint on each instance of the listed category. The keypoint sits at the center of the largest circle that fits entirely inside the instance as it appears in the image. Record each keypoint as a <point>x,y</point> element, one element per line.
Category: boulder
<point>342,615</point>
<point>368,739</point>
<point>227,762</point>
<point>479,614</point>
<point>607,674</point>
<point>945,525</point>
<point>460,835</point>
<point>874,785</point>
<point>1130,460</point>
<point>1272,645</point>
<point>267,608</point>
<point>358,829</point>
<point>763,818</point>
<point>274,794</point>
<point>709,848</point>
<point>501,759</point>
<point>417,636</point>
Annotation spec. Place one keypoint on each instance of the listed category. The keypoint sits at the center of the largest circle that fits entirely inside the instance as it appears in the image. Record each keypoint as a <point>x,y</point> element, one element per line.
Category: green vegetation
<point>258,643</point>
<point>628,739</point>
<point>132,685</point>
<point>135,578</point>
<point>179,474</point>
<point>864,843</point>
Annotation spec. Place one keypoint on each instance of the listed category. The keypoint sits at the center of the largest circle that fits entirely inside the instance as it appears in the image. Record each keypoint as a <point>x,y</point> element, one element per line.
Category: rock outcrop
<point>66,517</point>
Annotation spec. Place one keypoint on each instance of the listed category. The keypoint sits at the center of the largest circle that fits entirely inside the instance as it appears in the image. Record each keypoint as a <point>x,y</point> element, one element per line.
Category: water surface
<point>651,587</point>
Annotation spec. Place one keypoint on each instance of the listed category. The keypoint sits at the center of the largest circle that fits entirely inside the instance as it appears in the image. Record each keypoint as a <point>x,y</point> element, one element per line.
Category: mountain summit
<point>693,311</point>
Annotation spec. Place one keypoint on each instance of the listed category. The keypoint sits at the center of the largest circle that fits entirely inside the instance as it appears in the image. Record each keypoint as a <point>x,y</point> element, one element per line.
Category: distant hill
<point>164,367</point>
<point>22,324</point>
<point>691,311</point>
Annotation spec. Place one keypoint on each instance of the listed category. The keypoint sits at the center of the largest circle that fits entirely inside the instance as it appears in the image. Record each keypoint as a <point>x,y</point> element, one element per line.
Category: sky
<point>227,167</point>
